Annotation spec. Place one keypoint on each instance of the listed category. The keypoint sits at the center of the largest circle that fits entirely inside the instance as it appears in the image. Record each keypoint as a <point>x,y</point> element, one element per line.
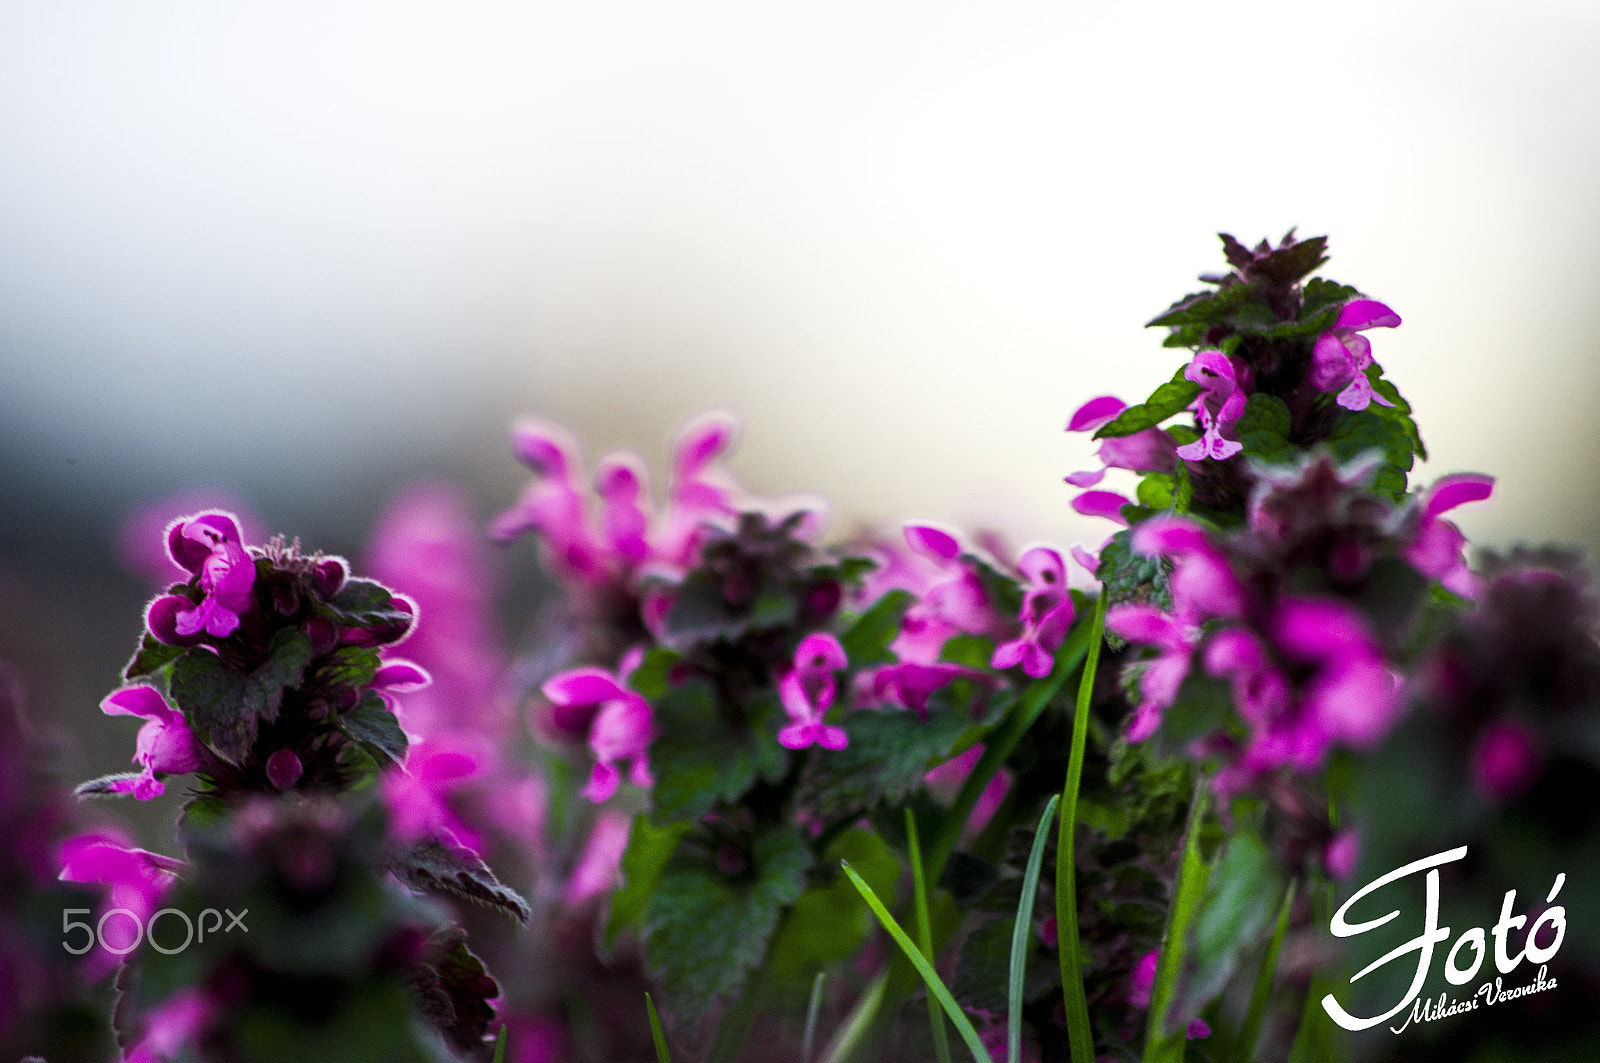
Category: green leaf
<point>1163,1043</point>
<point>656,1034</point>
<point>704,754</point>
<point>1157,490</point>
<point>829,922</point>
<point>225,707</point>
<point>649,849</point>
<point>1166,400</point>
<point>651,677</point>
<point>848,569</point>
<point>866,642</point>
<point>919,896</point>
<point>349,666</point>
<point>1205,308</point>
<point>1265,413</point>
<point>1231,920</point>
<point>1130,576</point>
<point>888,754</point>
<point>366,603</point>
<point>1356,433</point>
<point>1022,928</point>
<point>151,656</point>
<point>1244,1046</point>
<point>1399,412</point>
<point>440,866</point>
<point>974,651</point>
<point>500,1045</point>
<point>930,977</point>
<point>705,931</point>
<point>1321,294</point>
<point>376,728</point>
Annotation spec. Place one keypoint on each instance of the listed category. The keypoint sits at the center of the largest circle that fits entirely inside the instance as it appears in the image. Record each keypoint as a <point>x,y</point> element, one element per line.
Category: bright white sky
<point>260,243</point>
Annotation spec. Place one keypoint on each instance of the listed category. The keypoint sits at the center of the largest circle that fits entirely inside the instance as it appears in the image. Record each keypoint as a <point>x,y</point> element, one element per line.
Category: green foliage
<point>1264,429</point>
<point>365,603</point>
<point>705,930</point>
<point>1231,920</point>
<point>1356,433</point>
<point>1170,398</point>
<point>151,656</point>
<point>376,729</point>
<point>650,678</point>
<point>225,706</point>
<point>830,921</point>
<point>649,849</point>
<point>441,866</point>
<point>889,752</point>
<point>866,641</point>
<point>704,753</point>
<point>1129,576</point>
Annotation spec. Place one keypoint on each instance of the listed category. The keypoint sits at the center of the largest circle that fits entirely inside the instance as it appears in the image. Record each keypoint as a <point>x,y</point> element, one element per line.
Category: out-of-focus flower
<point>137,879</point>
<point>601,860</point>
<point>617,723</point>
<point>165,744</point>
<point>948,778</point>
<point>171,1027</point>
<point>1340,358</point>
<point>1437,547</point>
<point>1046,614</point>
<point>807,691</point>
<point>418,796</point>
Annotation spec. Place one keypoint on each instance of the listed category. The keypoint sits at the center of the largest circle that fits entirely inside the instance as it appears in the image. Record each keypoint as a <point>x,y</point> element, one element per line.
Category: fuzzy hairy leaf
<point>703,753</point>
<point>225,707</point>
<point>705,931</point>
<point>440,866</point>
<point>151,656</point>
<point>377,729</point>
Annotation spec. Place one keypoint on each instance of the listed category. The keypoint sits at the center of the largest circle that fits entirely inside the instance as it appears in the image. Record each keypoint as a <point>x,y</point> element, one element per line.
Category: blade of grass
<point>812,1009</point>
<point>957,1017</point>
<point>1080,1037</point>
<point>1160,1045</point>
<point>1022,931</point>
<point>1245,1046</point>
<point>849,1036</point>
<point>500,1045</point>
<point>662,1055</point>
<point>919,888</point>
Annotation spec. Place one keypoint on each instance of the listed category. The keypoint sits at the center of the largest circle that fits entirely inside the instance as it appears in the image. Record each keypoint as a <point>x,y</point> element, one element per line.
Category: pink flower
<point>910,685</point>
<point>1220,404</point>
<point>1202,582</point>
<point>600,864</point>
<point>1151,450</point>
<point>807,690</point>
<point>1351,697</point>
<point>417,795</point>
<point>952,603</point>
<point>172,1026</point>
<point>206,545</point>
<point>616,721</point>
<point>1340,854</point>
<point>1340,358</point>
<point>555,504</point>
<point>1104,504</point>
<point>699,490</point>
<point>1046,614</point>
<point>1160,678</point>
<point>165,744</point>
<point>142,535</point>
<point>947,779</point>
<point>1437,548</point>
<point>1505,760</point>
<point>1143,980</point>
<point>137,878</point>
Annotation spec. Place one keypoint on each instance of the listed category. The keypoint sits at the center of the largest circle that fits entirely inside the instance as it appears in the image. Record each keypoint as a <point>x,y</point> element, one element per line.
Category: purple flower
<point>142,534</point>
<point>165,744</point>
<point>909,685</point>
<point>616,721</point>
<point>284,769</point>
<point>1151,450</point>
<point>1340,358</point>
<point>1437,547</point>
<point>555,504</point>
<point>1143,980</point>
<point>1506,760</point>
<point>172,1026</point>
<point>417,795</point>
<point>1340,854</point>
<point>600,863</point>
<point>951,602</point>
<point>699,490</point>
<point>620,482</point>
<point>137,878</point>
<point>1046,614</point>
<point>205,545</point>
<point>1202,582</point>
<point>1351,696</point>
<point>1220,404</point>
<point>1159,679</point>
<point>946,781</point>
<point>1106,504</point>
<point>192,540</point>
<point>807,690</point>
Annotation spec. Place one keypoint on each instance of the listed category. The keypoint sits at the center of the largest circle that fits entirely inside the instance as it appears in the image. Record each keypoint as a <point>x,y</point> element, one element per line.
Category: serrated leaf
<point>1265,413</point>
<point>377,729</point>
<point>1130,576</point>
<point>888,754</point>
<point>440,866</point>
<point>350,666</point>
<point>1205,308</point>
<point>225,707</point>
<point>1357,433</point>
<point>706,931</point>
<point>366,603</point>
<point>1168,399</point>
<point>703,754</point>
<point>151,656</point>
<point>455,989</point>
<point>1400,410</point>
<point>1321,293</point>
<point>649,849</point>
<point>866,642</point>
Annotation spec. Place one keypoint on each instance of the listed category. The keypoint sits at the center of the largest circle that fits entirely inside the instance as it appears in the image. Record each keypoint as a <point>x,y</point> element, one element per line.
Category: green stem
<point>919,893</point>
<point>1022,935</point>
<point>1245,1046</point>
<point>812,1011</point>
<point>1162,1045</point>
<point>1080,1037</point>
<point>656,1034</point>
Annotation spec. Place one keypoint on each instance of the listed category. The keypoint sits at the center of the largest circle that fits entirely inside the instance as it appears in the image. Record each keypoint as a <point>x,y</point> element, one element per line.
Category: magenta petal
<point>1096,413</point>
<point>1456,489</point>
<point>1317,629</point>
<point>1505,762</point>
<point>1167,536</point>
<point>829,737</point>
<point>1365,314</point>
<point>820,650</point>
<point>797,736</point>
<point>1008,654</point>
<point>190,540</point>
<point>142,701</point>
<point>545,448</point>
<point>1148,451</point>
<point>284,769</point>
<point>1196,1030</point>
<point>401,677</point>
<point>1332,365</point>
<point>1107,504</point>
<point>1089,562</point>
<point>602,783</point>
<point>583,686</point>
<point>1086,478</point>
<point>162,620</point>
<point>933,542</point>
<point>1233,651</point>
<point>1144,624</point>
<point>1042,565</point>
<point>701,442</point>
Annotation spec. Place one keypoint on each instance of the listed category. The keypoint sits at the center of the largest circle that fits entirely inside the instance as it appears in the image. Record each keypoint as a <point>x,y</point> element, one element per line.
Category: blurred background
<point>307,253</point>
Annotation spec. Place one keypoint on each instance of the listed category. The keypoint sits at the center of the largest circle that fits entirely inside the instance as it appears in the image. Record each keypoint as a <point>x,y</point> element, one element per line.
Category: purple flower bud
<point>329,576</point>
<point>1506,760</point>
<point>284,769</point>
<point>1340,854</point>
<point>323,633</point>
<point>162,619</point>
